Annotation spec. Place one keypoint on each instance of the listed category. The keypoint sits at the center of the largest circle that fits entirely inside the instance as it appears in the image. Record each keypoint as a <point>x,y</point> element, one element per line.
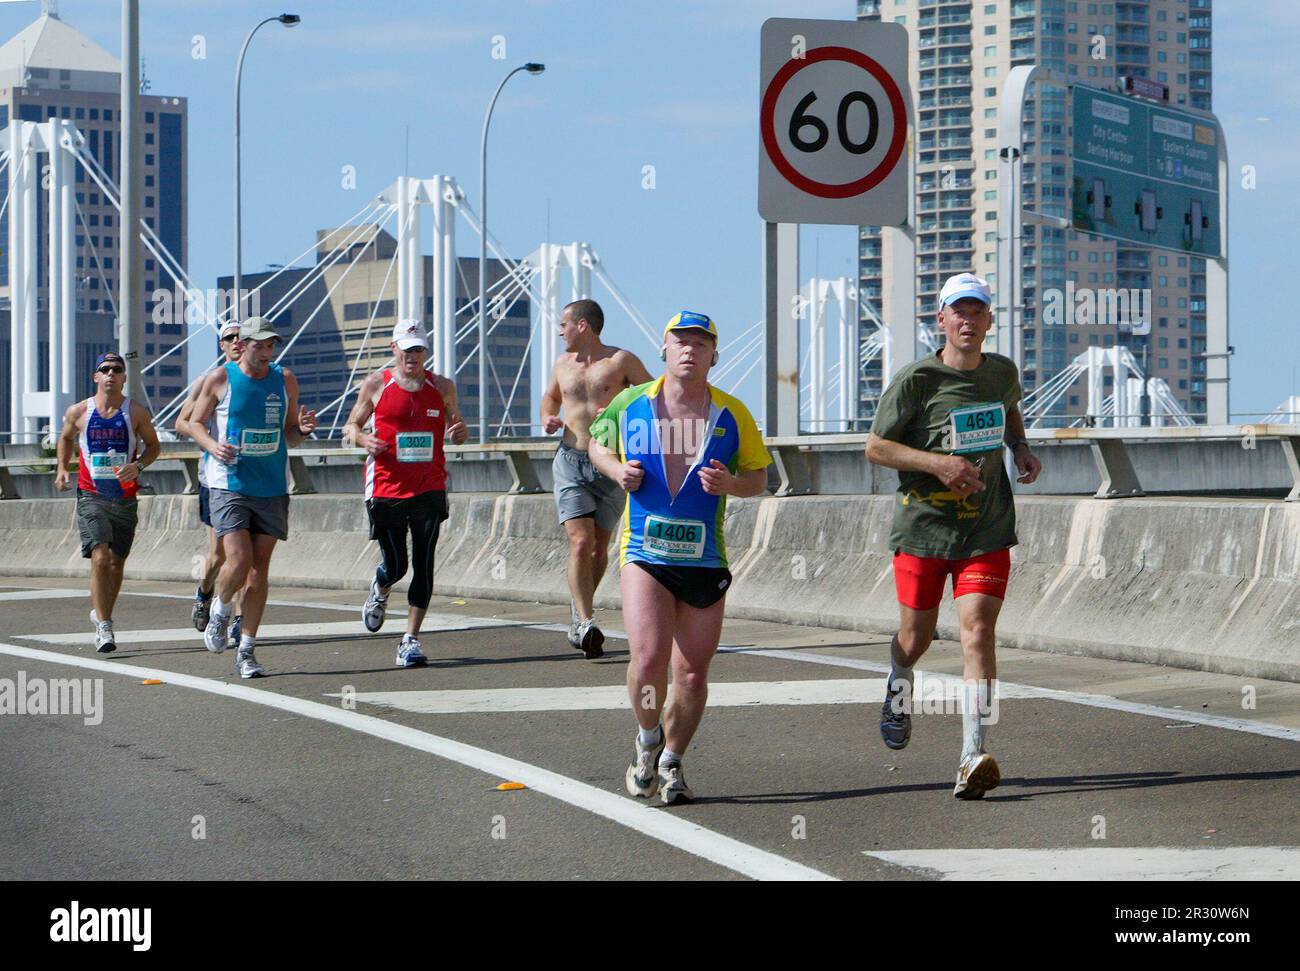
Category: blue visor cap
<point>689,320</point>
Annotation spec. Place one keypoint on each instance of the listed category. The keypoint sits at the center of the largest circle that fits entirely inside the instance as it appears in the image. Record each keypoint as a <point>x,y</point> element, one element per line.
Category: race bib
<point>674,539</point>
<point>415,446</point>
<point>978,428</point>
<point>104,465</point>
<point>259,441</point>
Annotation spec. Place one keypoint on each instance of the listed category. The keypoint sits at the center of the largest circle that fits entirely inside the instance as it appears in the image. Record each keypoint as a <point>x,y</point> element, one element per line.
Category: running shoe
<point>409,654</point>
<point>236,629</point>
<point>574,621</point>
<point>672,785</point>
<point>642,778</point>
<point>372,614</point>
<point>104,641</point>
<point>214,635</point>
<point>590,640</point>
<point>200,610</point>
<point>246,665</point>
<point>895,723</point>
<point>976,775</point>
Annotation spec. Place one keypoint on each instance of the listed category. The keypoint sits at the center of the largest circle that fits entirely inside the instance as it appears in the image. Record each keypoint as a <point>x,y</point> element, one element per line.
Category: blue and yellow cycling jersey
<point>686,529</point>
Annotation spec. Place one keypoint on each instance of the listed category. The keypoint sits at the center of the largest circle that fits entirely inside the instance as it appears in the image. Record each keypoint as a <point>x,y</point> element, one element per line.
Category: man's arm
<point>551,402</point>
<point>634,372</point>
<point>955,472</point>
<point>298,422</point>
<point>718,481</point>
<point>353,430</point>
<point>144,432</point>
<point>628,475</point>
<point>205,403</point>
<point>187,409</point>
<point>457,430</point>
<point>67,445</point>
<point>1026,461</point>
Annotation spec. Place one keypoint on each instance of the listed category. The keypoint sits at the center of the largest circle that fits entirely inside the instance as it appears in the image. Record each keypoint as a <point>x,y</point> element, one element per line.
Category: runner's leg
<point>650,615</point>
<point>262,546</point>
<point>694,647</point>
<point>116,567</point>
<point>212,562</point>
<point>102,592</point>
<point>599,558</point>
<point>238,547</point>
<point>582,551</point>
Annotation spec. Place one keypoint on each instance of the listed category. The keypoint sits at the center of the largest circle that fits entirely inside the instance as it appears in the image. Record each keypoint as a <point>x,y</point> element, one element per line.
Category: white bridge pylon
<point>844,376</point>
<point>1122,408</point>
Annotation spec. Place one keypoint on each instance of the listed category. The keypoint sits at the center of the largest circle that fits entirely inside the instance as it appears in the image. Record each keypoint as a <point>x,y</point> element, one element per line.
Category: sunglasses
<point>229,337</point>
<point>111,369</point>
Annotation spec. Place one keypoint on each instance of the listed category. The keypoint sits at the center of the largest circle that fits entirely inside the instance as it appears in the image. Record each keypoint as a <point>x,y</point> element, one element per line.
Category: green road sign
<point>1143,173</point>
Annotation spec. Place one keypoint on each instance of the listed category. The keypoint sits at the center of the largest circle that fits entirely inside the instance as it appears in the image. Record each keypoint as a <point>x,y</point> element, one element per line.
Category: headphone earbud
<point>663,353</point>
<point>715,358</point>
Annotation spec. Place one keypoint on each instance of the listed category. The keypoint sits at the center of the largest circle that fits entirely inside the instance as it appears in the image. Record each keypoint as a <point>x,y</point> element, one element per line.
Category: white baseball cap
<point>230,327</point>
<point>408,334</point>
<point>965,285</point>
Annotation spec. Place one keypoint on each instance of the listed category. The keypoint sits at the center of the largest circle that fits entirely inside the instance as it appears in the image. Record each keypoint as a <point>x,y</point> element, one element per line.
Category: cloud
<point>703,115</point>
<point>388,36</point>
<point>378,80</point>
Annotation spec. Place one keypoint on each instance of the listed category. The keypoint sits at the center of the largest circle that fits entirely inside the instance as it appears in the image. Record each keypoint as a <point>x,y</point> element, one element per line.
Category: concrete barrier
<point>1202,584</point>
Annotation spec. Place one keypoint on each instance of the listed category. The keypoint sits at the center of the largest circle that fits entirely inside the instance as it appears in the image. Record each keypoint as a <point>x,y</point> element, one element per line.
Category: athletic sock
<point>670,757</point>
<point>974,705</point>
<point>220,609</point>
<point>247,642</point>
<point>897,670</point>
<point>650,737</point>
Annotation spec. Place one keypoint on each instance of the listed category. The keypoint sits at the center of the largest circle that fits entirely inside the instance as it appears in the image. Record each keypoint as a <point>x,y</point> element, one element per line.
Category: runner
<point>106,431</point>
<point>583,381</point>
<point>230,345</point>
<point>255,405</point>
<point>942,423</point>
<point>679,446</point>
<point>406,476</point>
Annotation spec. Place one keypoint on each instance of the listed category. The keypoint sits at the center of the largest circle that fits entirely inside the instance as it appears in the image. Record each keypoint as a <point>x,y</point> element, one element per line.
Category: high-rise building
<point>50,70</point>
<point>352,314</point>
<point>962,50</point>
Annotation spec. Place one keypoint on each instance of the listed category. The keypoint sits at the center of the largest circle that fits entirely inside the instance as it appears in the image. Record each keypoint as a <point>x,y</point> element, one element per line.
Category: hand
<point>1028,464</point>
<point>960,476</point>
<point>630,475</point>
<point>371,444</point>
<point>459,432</point>
<point>306,421</point>
<point>61,480</point>
<point>552,424</point>
<point>717,479</point>
<point>129,472</point>
<point>225,453</point>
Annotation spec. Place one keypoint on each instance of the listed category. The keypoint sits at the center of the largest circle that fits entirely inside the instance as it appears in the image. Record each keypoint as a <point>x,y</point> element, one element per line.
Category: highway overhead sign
<point>833,122</point>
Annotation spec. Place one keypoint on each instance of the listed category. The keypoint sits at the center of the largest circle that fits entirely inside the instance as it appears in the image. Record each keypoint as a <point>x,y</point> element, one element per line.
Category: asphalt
<point>179,783</point>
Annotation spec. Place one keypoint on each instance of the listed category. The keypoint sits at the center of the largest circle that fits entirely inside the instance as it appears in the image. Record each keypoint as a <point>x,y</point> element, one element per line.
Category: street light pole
<point>531,68</point>
<point>289,20</point>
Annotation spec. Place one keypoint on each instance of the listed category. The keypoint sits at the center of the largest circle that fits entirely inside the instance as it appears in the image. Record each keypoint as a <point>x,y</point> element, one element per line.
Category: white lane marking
<point>54,594</point>
<point>1009,689</point>
<point>1105,863</point>
<point>267,632</point>
<point>734,694</point>
<point>689,837</point>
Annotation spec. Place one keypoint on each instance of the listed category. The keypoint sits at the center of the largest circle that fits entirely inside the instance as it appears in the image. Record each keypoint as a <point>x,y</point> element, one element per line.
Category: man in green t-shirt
<point>942,423</point>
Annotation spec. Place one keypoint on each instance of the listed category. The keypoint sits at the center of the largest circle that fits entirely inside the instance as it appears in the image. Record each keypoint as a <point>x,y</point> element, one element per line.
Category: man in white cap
<point>253,405</point>
<point>230,346</point>
<point>943,423</point>
<point>402,414</point>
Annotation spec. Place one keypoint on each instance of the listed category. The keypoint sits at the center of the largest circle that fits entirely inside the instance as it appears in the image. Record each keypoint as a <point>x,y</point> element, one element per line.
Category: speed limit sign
<point>833,122</point>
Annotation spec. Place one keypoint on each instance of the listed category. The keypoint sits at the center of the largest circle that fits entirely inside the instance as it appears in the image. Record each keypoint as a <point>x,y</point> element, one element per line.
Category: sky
<point>401,87</point>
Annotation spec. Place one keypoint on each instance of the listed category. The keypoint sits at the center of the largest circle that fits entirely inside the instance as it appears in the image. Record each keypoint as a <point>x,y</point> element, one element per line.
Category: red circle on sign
<point>827,190</point>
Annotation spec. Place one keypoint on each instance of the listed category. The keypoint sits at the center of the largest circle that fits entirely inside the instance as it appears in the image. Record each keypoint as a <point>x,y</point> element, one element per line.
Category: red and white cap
<point>408,334</point>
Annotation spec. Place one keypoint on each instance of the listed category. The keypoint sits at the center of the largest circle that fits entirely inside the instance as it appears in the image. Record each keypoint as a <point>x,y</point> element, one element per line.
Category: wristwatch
<point>1017,443</point>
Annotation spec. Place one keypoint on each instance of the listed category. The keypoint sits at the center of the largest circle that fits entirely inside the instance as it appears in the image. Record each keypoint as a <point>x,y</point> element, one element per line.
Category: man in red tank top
<point>408,411</point>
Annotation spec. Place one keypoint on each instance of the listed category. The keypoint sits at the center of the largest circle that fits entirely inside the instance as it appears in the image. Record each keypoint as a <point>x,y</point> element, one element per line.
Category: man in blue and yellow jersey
<point>679,447</point>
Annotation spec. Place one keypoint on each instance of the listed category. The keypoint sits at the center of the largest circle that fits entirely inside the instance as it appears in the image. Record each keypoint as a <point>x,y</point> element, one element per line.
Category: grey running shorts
<point>582,491</point>
<point>233,511</point>
<point>110,521</point>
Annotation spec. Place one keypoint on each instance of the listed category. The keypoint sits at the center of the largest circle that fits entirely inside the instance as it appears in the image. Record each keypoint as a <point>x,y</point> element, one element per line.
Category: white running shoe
<point>372,613</point>
<point>214,635</point>
<point>104,641</point>
<point>246,665</point>
<point>409,654</point>
<point>642,777</point>
<point>672,785</point>
<point>976,775</point>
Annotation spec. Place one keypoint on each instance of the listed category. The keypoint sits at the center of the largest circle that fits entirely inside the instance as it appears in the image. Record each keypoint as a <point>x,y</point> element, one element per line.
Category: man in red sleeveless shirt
<point>406,475</point>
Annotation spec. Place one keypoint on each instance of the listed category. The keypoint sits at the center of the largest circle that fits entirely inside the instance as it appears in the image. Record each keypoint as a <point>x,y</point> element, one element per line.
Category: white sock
<point>246,642</point>
<point>670,757</point>
<point>219,607</point>
<point>897,670</point>
<point>974,706</point>
<point>652,736</point>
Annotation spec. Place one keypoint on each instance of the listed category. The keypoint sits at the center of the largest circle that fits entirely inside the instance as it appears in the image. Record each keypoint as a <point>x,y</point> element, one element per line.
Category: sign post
<point>833,149</point>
